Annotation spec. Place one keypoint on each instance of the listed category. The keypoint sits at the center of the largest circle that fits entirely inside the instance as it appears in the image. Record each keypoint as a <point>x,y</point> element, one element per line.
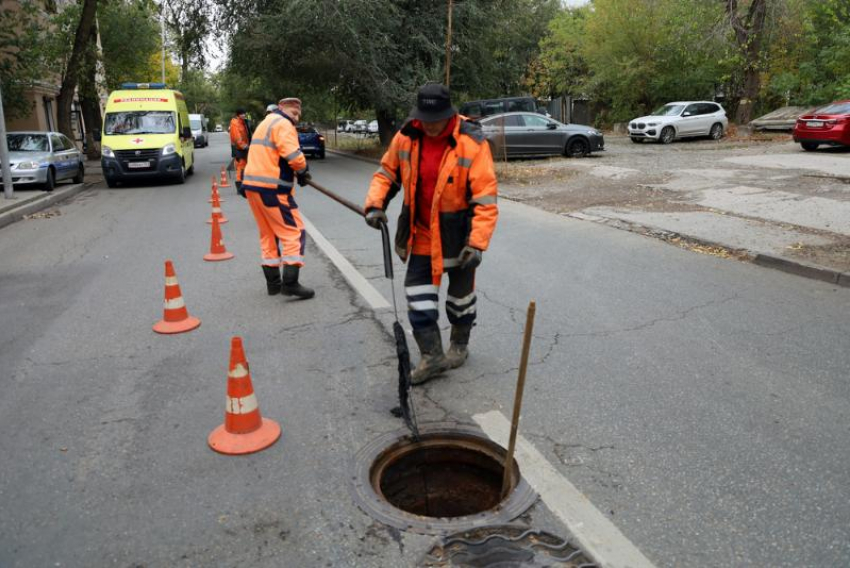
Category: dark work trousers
<point>423,295</point>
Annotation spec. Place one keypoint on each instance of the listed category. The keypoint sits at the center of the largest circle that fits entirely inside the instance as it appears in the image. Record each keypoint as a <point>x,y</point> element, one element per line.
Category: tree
<point>189,22</point>
<point>129,36</point>
<point>72,70</point>
<point>749,29</point>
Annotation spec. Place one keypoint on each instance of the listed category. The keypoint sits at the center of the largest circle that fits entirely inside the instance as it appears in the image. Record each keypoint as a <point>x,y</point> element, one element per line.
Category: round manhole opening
<point>448,480</point>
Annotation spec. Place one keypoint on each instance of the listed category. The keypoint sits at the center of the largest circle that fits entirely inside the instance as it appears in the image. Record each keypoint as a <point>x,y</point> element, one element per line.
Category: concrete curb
<point>353,156</point>
<point>762,259</point>
<point>36,203</point>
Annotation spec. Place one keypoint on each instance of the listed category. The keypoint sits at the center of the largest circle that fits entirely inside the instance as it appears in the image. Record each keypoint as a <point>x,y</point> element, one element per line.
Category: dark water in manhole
<point>443,482</point>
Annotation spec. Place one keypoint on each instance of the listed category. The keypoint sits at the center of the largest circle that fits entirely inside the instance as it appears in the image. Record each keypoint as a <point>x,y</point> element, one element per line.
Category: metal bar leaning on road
<point>520,387</point>
<point>354,207</point>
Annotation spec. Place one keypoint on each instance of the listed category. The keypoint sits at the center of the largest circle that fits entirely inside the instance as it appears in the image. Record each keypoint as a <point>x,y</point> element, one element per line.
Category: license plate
<point>814,124</point>
<point>138,164</point>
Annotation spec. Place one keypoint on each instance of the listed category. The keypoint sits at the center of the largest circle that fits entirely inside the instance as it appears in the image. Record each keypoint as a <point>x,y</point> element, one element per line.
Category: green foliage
<point>125,23</point>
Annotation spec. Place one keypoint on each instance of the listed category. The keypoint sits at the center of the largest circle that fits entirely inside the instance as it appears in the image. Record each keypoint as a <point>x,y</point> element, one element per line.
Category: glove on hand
<point>470,257</point>
<point>240,191</point>
<point>375,217</point>
<point>303,178</point>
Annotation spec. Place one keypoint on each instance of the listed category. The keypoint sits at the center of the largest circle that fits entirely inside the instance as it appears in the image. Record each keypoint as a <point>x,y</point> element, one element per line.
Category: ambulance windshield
<point>140,122</point>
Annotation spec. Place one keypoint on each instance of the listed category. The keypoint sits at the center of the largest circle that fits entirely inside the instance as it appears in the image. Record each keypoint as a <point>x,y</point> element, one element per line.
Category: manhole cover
<point>446,481</point>
<point>506,547</point>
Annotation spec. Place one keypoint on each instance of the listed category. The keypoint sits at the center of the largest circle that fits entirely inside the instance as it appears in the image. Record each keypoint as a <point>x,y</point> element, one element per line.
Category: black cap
<point>240,111</point>
<point>433,103</point>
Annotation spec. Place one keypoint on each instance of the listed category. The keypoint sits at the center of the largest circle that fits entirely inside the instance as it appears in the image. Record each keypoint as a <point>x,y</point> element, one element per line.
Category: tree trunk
<point>386,126</point>
<point>72,72</point>
<point>89,99</point>
<point>749,34</point>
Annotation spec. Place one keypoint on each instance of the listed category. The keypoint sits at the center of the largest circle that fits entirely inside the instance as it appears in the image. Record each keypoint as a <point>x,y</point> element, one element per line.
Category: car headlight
<point>594,133</point>
<point>27,166</point>
<point>652,124</point>
<point>107,152</point>
<point>169,149</point>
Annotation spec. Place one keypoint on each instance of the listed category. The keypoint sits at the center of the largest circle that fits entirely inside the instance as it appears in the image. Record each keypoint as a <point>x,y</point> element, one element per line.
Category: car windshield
<point>140,122</point>
<point>27,142</point>
<point>834,108</point>
<point>196,123</point>
<point>668,110</point>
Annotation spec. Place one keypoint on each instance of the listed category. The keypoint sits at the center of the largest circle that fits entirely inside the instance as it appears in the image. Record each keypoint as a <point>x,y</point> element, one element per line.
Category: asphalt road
<point>701,404</point>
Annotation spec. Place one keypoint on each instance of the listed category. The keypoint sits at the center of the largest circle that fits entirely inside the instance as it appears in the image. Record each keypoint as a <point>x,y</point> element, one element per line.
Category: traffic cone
<point>216,212</point>
<point>175,318</point>
<point>224,182</point>
<point>214,192</point>
<point>244,430</point>
<point>217,249</point>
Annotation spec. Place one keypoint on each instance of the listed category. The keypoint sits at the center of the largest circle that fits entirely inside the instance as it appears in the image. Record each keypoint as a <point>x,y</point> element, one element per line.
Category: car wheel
<point>111,182</point>
<point>716,132</point>
<point>667,135</point>
<point>577,148</point>
<point>50,182</point>
<point>809,146</point>
<point>81,174</point>
<point>321,155</point>
<point>637,140</point>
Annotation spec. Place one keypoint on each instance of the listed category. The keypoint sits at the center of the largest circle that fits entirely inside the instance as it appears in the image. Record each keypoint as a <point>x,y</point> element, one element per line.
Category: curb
<point>798,268</point>
<point>37,203</point>
<point>353,156</point>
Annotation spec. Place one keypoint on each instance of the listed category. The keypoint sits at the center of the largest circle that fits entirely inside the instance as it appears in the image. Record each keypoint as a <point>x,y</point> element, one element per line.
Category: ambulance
<point>146,135</point>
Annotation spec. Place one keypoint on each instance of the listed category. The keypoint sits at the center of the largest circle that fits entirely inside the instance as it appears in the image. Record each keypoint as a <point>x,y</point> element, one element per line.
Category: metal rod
<point>354,207</point>
<point>8,188</point>
<point>449,45</point>
<point>520,387</point>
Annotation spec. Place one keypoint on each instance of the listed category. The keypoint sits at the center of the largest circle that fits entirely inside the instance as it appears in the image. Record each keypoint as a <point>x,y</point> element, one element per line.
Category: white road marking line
<point>594,532</point>
<point>357,281</point>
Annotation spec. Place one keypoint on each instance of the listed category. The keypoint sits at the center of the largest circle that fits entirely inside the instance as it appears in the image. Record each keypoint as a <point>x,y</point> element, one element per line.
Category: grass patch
<point>520,173</point>
<point>367,146</point>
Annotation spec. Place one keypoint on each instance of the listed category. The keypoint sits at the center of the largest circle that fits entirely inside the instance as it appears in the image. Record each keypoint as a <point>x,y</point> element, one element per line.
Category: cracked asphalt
<point>702,405</point>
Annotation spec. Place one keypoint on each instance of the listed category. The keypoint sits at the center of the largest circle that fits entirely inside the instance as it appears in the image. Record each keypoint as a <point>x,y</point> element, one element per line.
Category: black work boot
<point>433,362</point>
<point>273,281</point>
<point>458,352</point>
<point>291,287</point>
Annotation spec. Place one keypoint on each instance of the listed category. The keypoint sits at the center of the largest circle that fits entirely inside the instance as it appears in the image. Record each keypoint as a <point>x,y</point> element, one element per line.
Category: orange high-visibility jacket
<point>464,209</point>
<point>239,138</point>
<point>274,157</point>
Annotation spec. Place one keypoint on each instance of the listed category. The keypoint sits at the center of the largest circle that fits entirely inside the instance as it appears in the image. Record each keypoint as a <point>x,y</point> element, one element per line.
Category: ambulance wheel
<point>181,177</point>
<point>111,182</point>
<point>191,170</point>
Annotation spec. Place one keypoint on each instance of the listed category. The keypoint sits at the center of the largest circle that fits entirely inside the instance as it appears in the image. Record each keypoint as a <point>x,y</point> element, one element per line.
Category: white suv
<point>680,120</point>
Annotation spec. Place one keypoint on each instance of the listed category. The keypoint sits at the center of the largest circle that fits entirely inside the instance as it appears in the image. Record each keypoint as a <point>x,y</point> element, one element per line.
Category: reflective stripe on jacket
<point>464,209</point>
<point>274,157</point>
<point>239,138</point>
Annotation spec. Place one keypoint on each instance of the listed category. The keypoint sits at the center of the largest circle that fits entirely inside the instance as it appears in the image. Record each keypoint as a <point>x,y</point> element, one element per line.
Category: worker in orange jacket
<point>443,164</point>
<point>275,162</point>
<point>240,138</point>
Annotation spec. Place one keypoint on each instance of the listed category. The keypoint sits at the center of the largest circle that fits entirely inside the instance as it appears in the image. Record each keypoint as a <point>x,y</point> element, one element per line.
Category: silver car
<point>528,134</point>
<point>682,119</point>
<point>44,158</point>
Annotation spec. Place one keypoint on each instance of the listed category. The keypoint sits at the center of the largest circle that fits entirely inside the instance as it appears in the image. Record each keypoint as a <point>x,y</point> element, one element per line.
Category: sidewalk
<point>30,201</point>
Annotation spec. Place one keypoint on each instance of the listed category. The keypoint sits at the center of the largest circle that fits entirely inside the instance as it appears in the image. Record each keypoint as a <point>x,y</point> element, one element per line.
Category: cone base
<point>171,327</point>
<point>217,256</point>
<point>221,221</point>
<point>229,444</point>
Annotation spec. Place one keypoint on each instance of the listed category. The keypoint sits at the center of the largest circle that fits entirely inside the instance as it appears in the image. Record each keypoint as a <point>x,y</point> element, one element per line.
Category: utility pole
<point>449,45</point>
<point>8,190</point>
<point>162,27</point>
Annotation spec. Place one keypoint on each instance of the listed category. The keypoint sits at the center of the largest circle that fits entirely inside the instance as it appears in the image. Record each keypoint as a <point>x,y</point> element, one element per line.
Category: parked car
<point>44,158</point>
<point>526,134</point>
<point>372,127</point>
<point>312,143</point>
<point>681,119</point>
<point>360,126</point>
<point>218,128</point>
<point>489,107</point>
<point>345,126</point>
<point>828,125</point>
<point>198,123</point>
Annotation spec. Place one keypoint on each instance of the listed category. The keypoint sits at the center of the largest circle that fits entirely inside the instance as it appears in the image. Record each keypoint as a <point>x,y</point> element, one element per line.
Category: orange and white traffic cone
<point>175,318</point>
<point>217,249</point>
<point>224,182</point>
<point>216,212</point>
<point>214,192</point>
<point>244,431</point>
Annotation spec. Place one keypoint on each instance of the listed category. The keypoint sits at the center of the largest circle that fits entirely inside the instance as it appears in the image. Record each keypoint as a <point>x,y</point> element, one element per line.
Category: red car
<point>828,125</point>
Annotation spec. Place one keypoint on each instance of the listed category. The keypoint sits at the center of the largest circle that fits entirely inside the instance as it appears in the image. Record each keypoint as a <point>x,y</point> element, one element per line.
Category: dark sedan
<point>526,134</point>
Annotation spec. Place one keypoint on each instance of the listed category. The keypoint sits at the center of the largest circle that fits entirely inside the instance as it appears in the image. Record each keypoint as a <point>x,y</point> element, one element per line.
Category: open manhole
<point>449,480</point>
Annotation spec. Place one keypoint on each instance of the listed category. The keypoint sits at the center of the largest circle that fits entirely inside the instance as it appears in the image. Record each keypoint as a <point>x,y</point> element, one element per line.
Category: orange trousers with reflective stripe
<point>279,222</point>
<point>240,164</point>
